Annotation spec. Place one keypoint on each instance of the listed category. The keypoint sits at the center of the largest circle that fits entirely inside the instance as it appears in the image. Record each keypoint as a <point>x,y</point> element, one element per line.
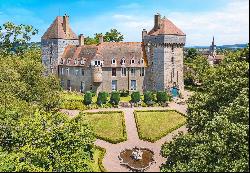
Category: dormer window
<point>142,61</point>
<point>82,62</point>
<point>123,60</point>
<point>113,61</point>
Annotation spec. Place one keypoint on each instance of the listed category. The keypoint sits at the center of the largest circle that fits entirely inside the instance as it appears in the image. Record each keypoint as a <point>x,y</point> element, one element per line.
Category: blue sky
<point>227,20</point>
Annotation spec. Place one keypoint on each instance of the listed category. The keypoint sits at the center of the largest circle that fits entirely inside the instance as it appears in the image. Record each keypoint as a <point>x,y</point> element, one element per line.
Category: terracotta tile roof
<point>166,28</point>
<point>106,51</point>
<point>56,30</point>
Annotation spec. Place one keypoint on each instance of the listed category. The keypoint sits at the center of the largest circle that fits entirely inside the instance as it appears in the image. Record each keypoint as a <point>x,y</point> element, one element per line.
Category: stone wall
<point>52,51</point>
<point>165,61</point>
<point>123,82</point>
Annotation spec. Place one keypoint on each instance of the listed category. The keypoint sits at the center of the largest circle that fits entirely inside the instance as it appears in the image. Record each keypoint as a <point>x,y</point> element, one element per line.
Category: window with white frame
<point>133,85</point>
<point>76,72</point>
<point>132,61</point>
<point>142,61</point>
<point>132,71</point>
<point>142,71</point>
<point>62,71</point>
<point>68,61</point>
<point>123,60</point>
<point>114,85</point>
<point>82,62</point>
<point>124,71</point>
<point>97,63</point>
<point>75,62</point>
<point>61,61</point>
<point>113,71</point>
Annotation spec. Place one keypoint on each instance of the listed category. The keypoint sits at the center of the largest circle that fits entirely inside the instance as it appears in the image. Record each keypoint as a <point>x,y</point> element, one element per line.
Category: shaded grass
<point>108,125</point>
<point>153,125</point>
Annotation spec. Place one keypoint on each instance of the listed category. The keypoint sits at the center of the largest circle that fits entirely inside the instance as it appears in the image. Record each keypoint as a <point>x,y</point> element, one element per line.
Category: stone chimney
<point>157,21</point>
<point>66,24</point>
<point>101,39</point>
<point>144,33</point>
<point>81,40</point>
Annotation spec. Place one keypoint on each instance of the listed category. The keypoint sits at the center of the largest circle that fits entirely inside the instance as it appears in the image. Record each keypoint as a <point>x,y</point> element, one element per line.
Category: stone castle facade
<point>155,64</point>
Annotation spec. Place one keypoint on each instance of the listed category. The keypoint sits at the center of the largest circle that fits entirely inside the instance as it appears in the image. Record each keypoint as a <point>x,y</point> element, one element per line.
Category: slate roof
<point>105,51</point>
<point>166,28</point>
<point>56,31</point>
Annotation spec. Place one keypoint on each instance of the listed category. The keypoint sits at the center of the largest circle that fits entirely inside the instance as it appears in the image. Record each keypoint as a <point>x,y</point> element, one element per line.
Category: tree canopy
<point>218,123</point>
<point>34,135</point>
<point>112,36</point>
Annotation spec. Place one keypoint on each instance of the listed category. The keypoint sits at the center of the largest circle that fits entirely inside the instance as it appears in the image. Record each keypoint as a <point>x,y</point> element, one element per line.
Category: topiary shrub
<point>88,98</point>
<point>149,98</point>
<point>102,98</point>
<point>135,97</point>
<point>124,93</point>
<point>161,97</point>
<point>115,98</point>
<point>93,93</point>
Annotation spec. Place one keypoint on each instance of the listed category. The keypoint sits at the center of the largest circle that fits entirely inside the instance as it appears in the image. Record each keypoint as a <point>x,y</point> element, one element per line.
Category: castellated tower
<point>164,49</point>
<point>54,41</point>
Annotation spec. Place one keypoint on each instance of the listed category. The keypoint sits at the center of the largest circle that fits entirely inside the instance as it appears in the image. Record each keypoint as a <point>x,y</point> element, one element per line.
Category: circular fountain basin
<point>127,158</point>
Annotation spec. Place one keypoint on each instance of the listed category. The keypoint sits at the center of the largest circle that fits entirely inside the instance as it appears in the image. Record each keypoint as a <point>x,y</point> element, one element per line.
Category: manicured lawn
<point>97,160</point>
<point>108,126</point>
<point>153,125</point>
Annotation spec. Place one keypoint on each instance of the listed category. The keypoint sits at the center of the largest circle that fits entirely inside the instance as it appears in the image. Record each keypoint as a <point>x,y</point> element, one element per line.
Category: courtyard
<point>117,129</point>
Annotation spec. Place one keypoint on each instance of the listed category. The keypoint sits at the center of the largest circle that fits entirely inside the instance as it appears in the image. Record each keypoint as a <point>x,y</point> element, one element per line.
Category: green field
<point>153,125</point>
<point>108,125</point>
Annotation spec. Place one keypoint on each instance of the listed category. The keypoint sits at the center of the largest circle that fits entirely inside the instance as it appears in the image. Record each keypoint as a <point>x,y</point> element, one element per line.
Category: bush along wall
<point>115,98</point>
<point>135,97</point>
<point>87,98</point>
<point>162,97</point>
<point>102,98</point>
<point>149,98</point>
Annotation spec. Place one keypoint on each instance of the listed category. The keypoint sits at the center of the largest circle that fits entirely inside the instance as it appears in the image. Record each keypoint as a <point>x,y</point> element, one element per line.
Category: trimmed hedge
<point>148,98</point>
<point>162,97</point>
<point>135,97</point>
<point>102,98</point>
<point>124,93</point>
<point>88,98</point>
<point>115,98</point>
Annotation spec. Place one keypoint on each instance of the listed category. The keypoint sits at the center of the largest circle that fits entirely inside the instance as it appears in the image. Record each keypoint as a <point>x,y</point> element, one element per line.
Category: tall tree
<point>218,123</point>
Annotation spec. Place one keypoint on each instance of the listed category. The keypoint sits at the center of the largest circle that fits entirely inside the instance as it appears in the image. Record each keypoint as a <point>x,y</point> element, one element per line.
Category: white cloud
<point>229,25</point>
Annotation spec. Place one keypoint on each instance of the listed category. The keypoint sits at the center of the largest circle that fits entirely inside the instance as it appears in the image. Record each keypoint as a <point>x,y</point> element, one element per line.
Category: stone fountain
<point>137,159</point>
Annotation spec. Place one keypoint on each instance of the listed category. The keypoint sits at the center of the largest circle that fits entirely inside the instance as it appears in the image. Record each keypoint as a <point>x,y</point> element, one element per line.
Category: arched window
<point>123,60</point>
<point>113,61</point>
